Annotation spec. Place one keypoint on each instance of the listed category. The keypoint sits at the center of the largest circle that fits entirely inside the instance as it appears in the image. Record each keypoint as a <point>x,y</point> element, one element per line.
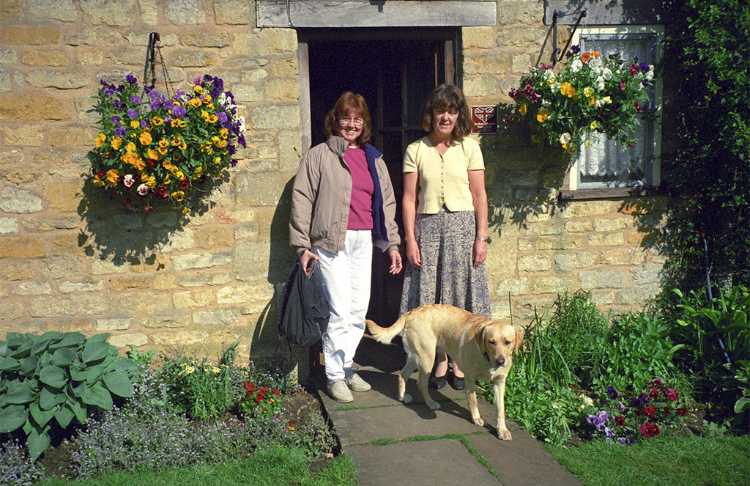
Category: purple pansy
<point>179,111</point>
<point>135,99</point>
<point>144,124</point>
<point>115,119</point>
<point>598,420</point>
<point>132,113</point>
<point>644,67</point>
<point>120,131</point>
<point>612,392</point>
<point>223,118</point>
<point>117,104</point>
<point>131,79</point>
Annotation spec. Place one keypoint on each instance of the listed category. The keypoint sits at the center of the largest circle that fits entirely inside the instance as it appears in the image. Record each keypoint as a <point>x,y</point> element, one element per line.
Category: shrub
<point>16,469</point>
<point>637,348</point>
<point>57,376</point>
<point>701,328</point>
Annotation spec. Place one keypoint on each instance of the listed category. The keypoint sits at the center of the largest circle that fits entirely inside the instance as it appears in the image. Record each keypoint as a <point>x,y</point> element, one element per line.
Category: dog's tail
<point>386,334</point>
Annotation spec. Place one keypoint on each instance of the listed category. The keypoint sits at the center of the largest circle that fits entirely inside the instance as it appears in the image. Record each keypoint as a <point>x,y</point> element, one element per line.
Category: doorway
<point>395,70</point>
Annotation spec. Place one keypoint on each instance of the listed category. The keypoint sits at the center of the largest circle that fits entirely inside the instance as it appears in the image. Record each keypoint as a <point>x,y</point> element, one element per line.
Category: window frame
<point>574,189</point>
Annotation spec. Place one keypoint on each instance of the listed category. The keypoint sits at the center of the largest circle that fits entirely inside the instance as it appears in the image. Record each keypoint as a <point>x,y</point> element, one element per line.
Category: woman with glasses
<point>445,217</point>
<point>342,206</point>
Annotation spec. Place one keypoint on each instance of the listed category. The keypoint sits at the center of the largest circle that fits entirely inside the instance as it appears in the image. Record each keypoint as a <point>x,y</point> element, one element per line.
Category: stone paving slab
<point>433,463</point>
<point>522,461</point>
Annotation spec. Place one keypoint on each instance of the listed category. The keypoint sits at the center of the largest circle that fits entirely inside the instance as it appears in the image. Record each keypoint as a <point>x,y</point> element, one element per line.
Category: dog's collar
<point>487,357</point>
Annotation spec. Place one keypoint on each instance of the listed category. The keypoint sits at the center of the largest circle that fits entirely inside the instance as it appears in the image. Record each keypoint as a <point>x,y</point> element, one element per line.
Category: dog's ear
<point>518,340</point>
<point>480,338</point>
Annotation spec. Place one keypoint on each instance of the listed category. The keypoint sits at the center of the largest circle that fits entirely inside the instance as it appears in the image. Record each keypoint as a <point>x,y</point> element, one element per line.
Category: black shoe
<point>437,382</point>
<point>457,383</point>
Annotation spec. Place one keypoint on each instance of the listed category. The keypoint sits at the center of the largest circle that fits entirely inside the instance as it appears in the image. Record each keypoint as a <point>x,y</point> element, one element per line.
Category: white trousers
<point>347,279</point>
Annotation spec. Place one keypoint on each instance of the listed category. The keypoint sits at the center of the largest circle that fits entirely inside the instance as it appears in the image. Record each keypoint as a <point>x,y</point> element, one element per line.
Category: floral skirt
<point>447,276</point>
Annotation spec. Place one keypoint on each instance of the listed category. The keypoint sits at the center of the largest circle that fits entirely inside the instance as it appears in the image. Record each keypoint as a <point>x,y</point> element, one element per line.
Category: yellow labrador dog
<point>479,345</point>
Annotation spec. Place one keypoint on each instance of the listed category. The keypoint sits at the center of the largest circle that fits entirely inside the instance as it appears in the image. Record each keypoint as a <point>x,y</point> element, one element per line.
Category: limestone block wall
<point>70,260</point>
<point>542,247</point>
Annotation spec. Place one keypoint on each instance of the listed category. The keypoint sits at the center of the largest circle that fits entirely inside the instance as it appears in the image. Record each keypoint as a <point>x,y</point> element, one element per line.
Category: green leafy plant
<point>260,400</point>
<point>57,378</point>
<point>636,349</point>
<point>703,328</point>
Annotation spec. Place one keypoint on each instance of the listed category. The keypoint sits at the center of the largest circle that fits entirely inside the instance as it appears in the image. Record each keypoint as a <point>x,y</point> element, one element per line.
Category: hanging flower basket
<point>590,93</point>
<point>158,150</point>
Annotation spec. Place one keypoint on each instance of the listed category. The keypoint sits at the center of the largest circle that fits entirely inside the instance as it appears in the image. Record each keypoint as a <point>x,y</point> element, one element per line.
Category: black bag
<point>304,310</point>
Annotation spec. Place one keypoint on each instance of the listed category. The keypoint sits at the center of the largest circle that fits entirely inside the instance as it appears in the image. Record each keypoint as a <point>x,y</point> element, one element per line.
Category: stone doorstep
<point>431,463</point>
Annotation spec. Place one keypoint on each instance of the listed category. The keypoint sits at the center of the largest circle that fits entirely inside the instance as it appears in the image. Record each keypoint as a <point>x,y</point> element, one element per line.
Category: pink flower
<point>128,180</point>
<point>671,394</point>
<point>142,190</point>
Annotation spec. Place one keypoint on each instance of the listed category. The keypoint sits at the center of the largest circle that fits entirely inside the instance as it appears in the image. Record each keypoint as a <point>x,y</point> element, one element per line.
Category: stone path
<point>392,443</point>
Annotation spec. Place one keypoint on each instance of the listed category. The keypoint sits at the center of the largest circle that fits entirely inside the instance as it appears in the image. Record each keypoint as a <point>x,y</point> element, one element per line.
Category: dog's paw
<point>478,421</point>
<point>407,398</point>
<point>504,434</point>
<point>433,405</point>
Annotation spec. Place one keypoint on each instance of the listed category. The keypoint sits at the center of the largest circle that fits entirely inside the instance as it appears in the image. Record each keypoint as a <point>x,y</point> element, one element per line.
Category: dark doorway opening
<point>395,70</point>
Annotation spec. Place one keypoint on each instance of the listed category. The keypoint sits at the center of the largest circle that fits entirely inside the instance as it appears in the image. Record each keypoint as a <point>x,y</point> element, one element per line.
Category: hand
<point>413,254</point>
<point>305,261</point>
<point>396,265</point>
<point>479,252</point>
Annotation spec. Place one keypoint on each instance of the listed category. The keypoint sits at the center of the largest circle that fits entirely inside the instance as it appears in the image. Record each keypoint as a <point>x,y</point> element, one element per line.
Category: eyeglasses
<point>357,121</point>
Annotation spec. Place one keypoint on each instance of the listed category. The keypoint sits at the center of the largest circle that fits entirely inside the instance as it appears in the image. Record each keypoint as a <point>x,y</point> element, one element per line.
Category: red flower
<point>656,382</point>
<point>634,69</point>
<point>671,394</point>
<point>649,429</point>
<point>163,192</point>
<point>249,387</point>
<point>649,411</point>
<point>184,183</point>
<point>622,85</point>
<point>620,420</point>
<point>654,393</point>
<point>682,411</point>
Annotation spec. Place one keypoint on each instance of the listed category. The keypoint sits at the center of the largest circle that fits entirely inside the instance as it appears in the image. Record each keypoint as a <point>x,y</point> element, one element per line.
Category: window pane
<point>604,163</point>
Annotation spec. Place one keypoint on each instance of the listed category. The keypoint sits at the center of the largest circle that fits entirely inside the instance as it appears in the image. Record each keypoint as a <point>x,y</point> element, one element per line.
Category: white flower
<point>600,83</point>
<point>607,74</point>
<point>603,101</point>
<point>142,190</point>
<point>565,138</point>
<point>242,124</point>
<point>576,65</point>
<point>546,102</point>
<point>595,63</point>
<point>128,180</point>
<point>650,73</point>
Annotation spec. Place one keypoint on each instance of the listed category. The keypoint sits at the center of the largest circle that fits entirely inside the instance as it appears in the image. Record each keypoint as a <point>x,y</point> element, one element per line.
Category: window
<point>604,164</point>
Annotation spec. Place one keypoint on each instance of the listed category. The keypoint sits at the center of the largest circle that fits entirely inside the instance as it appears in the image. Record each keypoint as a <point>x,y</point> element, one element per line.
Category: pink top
<point>360,208</point>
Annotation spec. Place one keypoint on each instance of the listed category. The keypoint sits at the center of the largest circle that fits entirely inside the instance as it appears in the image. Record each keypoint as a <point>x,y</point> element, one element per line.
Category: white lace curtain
<point>604,163</point>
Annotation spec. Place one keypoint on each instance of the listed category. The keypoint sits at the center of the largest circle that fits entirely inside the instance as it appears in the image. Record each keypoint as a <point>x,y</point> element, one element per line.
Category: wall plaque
<point>484,118</point>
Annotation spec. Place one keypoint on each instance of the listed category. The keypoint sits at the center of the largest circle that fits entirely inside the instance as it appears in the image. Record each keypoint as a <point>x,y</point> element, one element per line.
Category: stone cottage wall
<point>542,247</point>
<point>72,260</point>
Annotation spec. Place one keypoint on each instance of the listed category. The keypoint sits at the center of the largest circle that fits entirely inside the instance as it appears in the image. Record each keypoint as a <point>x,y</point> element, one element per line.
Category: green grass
<point>272,467</point>
<point>674,460</point>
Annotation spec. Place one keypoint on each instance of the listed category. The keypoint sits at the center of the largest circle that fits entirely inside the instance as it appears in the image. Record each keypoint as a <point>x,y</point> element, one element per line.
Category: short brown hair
<point>444,98</point>
<point>348,104</point>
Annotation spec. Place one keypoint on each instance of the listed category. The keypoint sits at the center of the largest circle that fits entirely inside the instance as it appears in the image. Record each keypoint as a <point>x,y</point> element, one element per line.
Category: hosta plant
<point>57,378</point>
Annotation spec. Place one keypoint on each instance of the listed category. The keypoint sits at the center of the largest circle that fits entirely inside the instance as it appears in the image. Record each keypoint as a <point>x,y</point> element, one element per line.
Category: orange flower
<point>585,57</point>
<point>595,53</point>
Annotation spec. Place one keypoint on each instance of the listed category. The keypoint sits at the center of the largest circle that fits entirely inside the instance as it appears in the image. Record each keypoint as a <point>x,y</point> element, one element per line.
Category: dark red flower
<point>162,191</point>
<point>671,394</point>
<point>634,69</point>
<point>151,163</point>
<point>682,411</point>
<point>622,85</point>
<point>654,393</point>
<point>184,183</point>
<point>276,392</point>
<point>649,411</point>
<point>620,420</point>
<point>249,387</point>
<point>656,382</point>
<point>649,429</point>
<point>637,106</point>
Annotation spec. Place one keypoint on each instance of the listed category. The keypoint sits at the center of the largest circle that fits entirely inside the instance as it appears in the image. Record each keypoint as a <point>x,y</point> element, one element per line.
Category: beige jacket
<point>321,196</point>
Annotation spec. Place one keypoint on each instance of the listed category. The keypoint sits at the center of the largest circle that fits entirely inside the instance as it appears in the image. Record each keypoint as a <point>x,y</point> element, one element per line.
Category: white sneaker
<point>340,392</point>
<point>357,384</point>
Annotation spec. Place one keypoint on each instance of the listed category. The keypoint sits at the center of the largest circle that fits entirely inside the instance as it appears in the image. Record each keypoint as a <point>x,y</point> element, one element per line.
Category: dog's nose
<point>501,361</point>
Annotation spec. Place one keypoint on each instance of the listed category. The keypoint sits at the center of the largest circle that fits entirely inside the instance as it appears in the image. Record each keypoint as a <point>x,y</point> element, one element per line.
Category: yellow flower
<point>134,124</point>
<point>152,154</point>
<point>588,91</point>
<point>130,148</point>
<point>185,211</point>
<point>213,119</point>
<point>145,138</point>
<point>567,89</point>
<point>522,108</point>
<point>215,369</point>
<point>163,150</point>
<point>163,143</point>
<point>194,102</point>
<point>112,177</point>
<point>166,180</point>
<point>179,175</point>
<point>542,116</point>
<point>592,101</point>
<point>224,132</point>
<point>175,123</point>
<point>182,145</point>
<point>205,115</point>
<point>157,121</point>
<point>217,160</point>
<point>178,196</point>
<point>100,139</point>
<point>198,89</point>
<point>168,165</point>
<point>116,143</point>
<point>198,172</point>
<point>222,144</point>
<point>181,123</point>
<point>215,139</point>
<point>565,146</point>
<point>150,181</point>
<point>175,141</point>
<point>594,125</point>
<point>207,99</point>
